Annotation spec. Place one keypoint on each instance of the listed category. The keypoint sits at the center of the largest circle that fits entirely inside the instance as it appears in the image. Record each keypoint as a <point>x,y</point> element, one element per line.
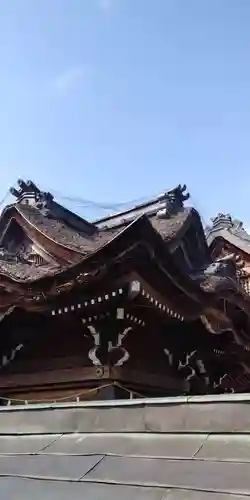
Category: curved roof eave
<point>231,238</point>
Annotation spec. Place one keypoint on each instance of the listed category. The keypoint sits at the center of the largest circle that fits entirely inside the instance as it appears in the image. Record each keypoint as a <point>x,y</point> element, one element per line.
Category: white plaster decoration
<point>7,359</point>
<point>134,288</point>
<point>124,359</point>
<point>215,384</point>
<point>218,351</point>
<point>87,303</point>
<point>207,324</point>
<point>92,352</point>
<point>192,374</point>
<point>202,370</point>
<point>111,347</point>
<point>181,365</point>
<point>121,336</point>
<point>135,319</point>
<point>218,330</point>
<point>170,357</point>
<point>163,307</point>
<point>96,317</point>
<point>186,364</point>
<point>199,363</point>
<point>187,359</point>
<point>120,313</point>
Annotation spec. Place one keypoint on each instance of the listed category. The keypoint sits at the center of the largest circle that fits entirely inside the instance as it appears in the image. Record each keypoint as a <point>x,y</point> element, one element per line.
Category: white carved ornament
<point>111,347</point>
<point>186,363</point>
<point>200,365</point>
<point>218,384</point>
<point>7,359</point>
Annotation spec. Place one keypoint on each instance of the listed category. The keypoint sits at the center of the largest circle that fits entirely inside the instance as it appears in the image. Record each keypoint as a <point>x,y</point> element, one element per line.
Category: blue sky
<point>115,100</point>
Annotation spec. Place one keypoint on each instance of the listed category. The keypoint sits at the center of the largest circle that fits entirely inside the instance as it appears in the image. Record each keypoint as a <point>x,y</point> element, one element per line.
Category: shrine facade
<point>142,302</point>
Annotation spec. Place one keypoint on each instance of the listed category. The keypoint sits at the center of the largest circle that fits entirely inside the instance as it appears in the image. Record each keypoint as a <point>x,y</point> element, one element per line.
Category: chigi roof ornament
<point>29,193</point>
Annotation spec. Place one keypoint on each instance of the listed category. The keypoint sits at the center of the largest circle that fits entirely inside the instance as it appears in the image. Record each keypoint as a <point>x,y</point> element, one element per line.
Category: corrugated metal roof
<point>143,449</point>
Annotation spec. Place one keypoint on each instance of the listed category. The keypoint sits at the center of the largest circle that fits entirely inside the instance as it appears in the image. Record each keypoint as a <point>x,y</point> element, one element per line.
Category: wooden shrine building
<point>227,236</point>
<point>138,301</point>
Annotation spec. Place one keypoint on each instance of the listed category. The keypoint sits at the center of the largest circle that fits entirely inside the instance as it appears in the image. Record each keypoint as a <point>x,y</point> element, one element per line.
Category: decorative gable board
<point>15,244</point>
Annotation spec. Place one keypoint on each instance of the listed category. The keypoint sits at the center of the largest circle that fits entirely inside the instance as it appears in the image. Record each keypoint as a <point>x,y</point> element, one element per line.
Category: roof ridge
<point>169,202</point>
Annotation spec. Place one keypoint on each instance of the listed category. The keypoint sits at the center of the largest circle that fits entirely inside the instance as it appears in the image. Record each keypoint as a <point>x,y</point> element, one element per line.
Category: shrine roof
<point>161,449</point>
<point>21,270</point>
<point>167,214</point>
<point>151,232</point>
<point>230,230</point>
<point>62,233</point>
<point>44,222</point>
<point>86,244</point>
